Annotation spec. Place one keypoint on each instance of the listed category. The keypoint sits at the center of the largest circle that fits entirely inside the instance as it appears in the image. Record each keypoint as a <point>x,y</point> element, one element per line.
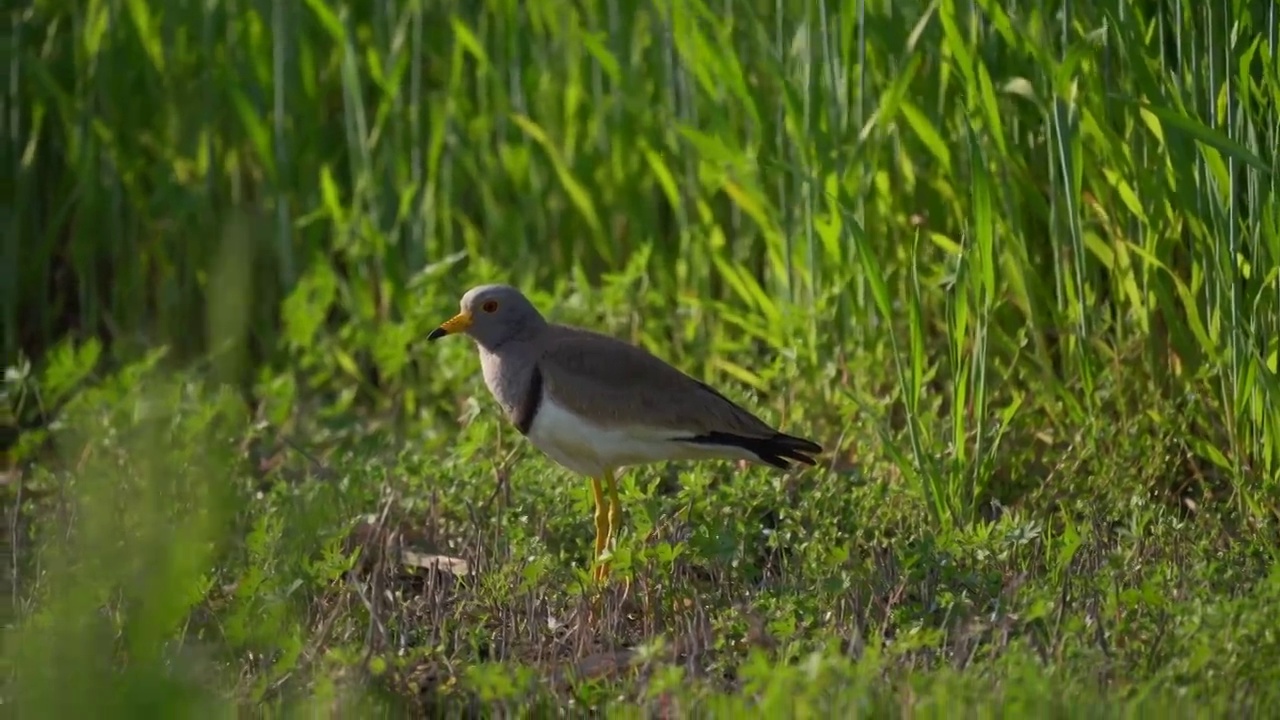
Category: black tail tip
<point>779,450</point>
<point>782,447</point>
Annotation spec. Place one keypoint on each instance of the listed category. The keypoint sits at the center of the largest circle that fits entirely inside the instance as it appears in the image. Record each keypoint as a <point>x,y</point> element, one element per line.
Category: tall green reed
<point>1013,194</point>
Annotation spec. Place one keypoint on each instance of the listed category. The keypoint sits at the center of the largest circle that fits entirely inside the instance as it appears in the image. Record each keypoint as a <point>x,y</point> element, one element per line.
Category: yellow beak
<point>456,324</point>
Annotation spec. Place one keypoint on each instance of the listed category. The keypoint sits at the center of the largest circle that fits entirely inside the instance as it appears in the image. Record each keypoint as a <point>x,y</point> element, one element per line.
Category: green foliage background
<point>1014,264</point>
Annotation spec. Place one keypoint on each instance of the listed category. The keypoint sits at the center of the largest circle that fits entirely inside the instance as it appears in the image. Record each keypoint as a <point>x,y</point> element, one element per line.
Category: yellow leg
<point>615,519</point>
<point>608,519</point>
<point>612,519</point>
<point>602,525</point>
<point>615,507</point>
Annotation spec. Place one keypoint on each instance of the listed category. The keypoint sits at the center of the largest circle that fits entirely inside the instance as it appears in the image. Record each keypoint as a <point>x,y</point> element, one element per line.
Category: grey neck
<point>517,337</point>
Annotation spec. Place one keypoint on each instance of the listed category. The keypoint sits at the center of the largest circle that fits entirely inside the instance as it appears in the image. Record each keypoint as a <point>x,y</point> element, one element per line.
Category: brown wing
<point>617,384</point>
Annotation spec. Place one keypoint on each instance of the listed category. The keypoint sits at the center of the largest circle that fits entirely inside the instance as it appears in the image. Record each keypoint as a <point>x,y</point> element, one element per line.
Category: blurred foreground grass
<point>1014,264</point>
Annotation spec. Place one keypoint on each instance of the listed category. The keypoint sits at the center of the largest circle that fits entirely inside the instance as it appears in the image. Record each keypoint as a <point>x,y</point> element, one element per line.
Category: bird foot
<point>605,594</point>
<point>600,574</point>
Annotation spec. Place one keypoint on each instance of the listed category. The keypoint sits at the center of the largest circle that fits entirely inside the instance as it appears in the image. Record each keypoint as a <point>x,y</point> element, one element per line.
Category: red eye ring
<point>489,306</point>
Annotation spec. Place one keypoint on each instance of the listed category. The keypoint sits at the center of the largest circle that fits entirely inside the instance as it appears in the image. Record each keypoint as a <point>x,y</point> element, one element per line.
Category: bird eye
<point>489,306</point>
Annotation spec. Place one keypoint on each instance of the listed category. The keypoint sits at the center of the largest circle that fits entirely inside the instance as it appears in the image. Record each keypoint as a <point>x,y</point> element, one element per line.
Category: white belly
<point>590,449</point>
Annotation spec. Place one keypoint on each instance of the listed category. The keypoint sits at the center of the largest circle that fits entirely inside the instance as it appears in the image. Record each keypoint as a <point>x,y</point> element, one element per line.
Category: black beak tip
<point>437,334</point>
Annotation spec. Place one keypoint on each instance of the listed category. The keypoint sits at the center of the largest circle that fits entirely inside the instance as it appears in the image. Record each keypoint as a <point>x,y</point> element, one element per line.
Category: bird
<point>596,404</point>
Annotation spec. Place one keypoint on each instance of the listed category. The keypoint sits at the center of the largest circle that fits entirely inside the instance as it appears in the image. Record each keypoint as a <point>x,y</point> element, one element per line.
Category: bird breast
<point>507,381</point>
